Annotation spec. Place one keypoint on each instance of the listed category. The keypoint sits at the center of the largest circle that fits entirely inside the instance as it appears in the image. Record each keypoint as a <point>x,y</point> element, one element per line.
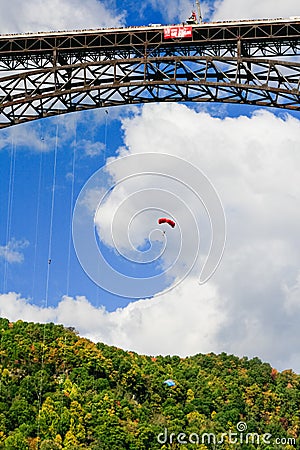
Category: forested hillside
<point>60,391</point>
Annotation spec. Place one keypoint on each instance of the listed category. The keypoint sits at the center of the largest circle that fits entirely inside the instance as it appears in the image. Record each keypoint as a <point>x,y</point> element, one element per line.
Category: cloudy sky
<point>244,157</point>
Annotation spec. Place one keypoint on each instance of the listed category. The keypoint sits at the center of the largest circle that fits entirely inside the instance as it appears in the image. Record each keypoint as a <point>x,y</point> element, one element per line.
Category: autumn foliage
<point>60,391</point>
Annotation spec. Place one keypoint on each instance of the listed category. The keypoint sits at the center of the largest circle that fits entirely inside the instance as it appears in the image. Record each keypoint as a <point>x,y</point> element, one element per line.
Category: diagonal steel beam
<point>45,92</point>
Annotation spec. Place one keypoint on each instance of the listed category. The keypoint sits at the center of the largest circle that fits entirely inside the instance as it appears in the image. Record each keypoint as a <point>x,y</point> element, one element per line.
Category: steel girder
<point>57,90</point>
<point>46,76</point>
<point>265,39</point>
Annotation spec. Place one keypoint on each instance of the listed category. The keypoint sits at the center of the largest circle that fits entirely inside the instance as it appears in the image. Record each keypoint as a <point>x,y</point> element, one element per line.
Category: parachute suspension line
<point>71,206</point>
<point>37,219</point>
<point>11,186</point>
<point>47,283</point>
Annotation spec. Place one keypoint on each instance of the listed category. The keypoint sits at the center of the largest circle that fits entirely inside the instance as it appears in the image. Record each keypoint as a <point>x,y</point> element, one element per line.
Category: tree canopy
<point>60,391</point>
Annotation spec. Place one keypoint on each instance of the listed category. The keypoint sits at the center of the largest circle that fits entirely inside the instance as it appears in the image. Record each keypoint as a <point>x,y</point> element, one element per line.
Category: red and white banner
<point>177,32</point>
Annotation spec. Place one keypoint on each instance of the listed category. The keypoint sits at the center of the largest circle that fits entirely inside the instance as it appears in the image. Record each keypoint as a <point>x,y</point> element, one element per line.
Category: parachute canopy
<point>170,383</point>
<point>168,221</point>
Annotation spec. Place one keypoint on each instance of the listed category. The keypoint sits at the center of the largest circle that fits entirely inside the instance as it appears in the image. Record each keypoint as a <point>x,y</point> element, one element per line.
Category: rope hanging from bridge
<point>38,204</point>
<point>71,203</point>
<point>50,236</point>
<point>9,212</point>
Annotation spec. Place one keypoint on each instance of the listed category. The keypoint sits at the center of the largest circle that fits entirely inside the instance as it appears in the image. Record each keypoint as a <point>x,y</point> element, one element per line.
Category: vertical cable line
<point>105,133</point>
<point>104,161</point>
<point>47,281</point>
<point>37,220</point>
<point>11,186</point>
<point>71,208</point>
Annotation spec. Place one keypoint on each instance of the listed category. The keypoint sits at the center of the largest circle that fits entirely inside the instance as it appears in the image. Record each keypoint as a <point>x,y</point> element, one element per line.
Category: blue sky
<point>29,188</point>
<point>250,156</point>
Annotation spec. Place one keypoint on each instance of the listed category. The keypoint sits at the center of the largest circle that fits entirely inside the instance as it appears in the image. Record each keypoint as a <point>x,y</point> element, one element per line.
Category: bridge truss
<point>46,74</point>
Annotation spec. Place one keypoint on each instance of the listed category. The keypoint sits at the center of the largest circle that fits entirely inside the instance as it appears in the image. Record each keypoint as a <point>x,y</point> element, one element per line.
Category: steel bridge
<point>250,62</point>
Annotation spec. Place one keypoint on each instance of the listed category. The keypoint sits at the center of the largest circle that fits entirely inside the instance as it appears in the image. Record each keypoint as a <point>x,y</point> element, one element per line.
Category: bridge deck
<point>144,37</point>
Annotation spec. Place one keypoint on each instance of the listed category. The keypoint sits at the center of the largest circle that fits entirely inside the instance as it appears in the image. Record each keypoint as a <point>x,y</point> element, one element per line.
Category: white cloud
<point>11,252</point>
<point>188,320</point>
<point>90,148</point>
<point>40,136</point>
<point>164,325</point>
<point>253,163</point>
<point>254,9</point>
<point>250,307</point>
<point>292,297</point>
<point>172,11</point>
<point>37,15</point>
<point>27,137</point>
